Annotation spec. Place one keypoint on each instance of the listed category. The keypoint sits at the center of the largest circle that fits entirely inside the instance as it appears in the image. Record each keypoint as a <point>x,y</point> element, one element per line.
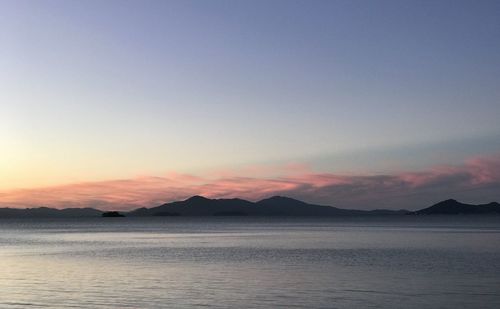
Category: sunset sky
<point>355,104</point>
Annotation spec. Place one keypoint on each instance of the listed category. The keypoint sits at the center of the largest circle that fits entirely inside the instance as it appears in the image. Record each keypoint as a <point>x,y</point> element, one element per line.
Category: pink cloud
<point>476,178</point>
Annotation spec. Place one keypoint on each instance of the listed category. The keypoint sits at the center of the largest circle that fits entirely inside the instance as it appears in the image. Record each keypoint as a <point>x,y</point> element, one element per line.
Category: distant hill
<point>45,212</point>
<point>285,206</point>
<point>453,207</point>
<point>196,206</point>
<point>274,206</point>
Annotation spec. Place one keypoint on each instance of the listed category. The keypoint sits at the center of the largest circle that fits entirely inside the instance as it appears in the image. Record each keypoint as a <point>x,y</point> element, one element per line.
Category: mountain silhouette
<point>42,212</point>
<point>274,206</point>
<point>198,206</point>
<point>285,206</point>
<point>453,207</point>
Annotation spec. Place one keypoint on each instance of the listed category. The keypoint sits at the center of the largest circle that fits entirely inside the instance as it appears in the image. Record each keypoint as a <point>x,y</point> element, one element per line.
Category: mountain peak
<point>197,198</point>
<point>279,198</point>
<point>452,206</point>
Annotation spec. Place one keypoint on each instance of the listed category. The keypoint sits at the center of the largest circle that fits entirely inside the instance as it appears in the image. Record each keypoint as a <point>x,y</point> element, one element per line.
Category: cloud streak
<point>476,180</point>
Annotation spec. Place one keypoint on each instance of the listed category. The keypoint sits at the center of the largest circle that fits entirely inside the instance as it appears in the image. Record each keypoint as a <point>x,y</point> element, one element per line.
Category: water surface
<point>404,262</point>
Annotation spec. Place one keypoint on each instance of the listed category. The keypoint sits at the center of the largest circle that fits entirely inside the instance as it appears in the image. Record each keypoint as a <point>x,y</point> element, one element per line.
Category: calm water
<point>411,262</point>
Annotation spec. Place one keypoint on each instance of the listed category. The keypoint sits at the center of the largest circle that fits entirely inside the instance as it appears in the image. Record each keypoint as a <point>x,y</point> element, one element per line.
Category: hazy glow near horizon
<point>102,90</point>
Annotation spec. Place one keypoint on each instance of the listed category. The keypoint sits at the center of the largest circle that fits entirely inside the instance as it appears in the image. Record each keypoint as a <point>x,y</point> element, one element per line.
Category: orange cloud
<point>476,178</point>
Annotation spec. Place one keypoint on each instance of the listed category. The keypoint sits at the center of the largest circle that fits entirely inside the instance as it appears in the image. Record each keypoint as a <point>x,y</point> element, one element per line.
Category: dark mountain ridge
<point>45,212</point>
<point>273,206</point>
<point>453,207</point>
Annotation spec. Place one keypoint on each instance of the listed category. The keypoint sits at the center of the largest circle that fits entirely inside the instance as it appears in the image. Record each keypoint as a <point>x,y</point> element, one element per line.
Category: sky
<point>356,104</point>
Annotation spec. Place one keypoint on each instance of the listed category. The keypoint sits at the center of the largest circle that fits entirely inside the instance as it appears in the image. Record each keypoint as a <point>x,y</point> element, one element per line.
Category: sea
<point>251,262</point>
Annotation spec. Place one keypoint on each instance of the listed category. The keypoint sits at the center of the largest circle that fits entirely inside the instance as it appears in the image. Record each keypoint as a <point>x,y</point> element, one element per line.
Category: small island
<point>112,214</point>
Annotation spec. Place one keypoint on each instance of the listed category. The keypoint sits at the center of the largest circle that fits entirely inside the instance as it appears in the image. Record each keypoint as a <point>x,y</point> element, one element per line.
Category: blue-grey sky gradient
<point>109,89</point>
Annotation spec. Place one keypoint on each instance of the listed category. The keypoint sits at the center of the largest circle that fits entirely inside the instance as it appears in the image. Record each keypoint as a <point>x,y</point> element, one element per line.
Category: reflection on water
<point>253,263</point>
